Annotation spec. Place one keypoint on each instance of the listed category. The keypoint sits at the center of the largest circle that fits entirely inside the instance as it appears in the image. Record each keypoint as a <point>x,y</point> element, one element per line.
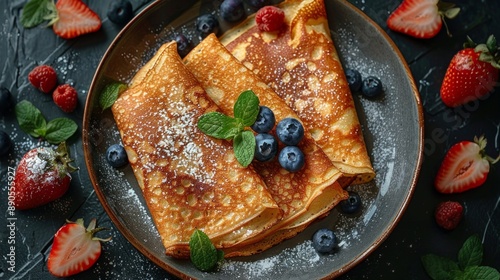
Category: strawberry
<point>74,19</point>
<point>448,214</point>
<point>74,249</point>
<point>42,176</point>
<point>465,166</point>
<point>43,77</point>
<point>472,73</point>
<point>421,19</point>
<point>65,97</point>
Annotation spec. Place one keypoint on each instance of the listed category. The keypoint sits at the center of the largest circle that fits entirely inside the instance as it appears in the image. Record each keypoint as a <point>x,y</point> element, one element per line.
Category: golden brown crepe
<point>304,195</point>
<point>189,180</point>
<point>301,64</point>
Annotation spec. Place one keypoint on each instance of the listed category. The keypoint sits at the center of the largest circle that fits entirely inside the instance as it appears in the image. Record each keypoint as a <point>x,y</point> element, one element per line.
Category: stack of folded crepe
<point>301,64</point>
<point>192,181</point>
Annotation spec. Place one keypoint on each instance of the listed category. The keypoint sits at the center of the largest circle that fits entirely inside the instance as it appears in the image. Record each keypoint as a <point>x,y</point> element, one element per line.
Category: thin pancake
<point>302,65</point>
<point>189,180</point>
<point>304,195</point>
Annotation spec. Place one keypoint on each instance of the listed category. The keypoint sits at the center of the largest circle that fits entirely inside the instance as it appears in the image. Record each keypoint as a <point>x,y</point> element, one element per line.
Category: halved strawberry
<point>75,248</point>
<point>421,18</point>
<point>465,166</point>
<point>74,18</point>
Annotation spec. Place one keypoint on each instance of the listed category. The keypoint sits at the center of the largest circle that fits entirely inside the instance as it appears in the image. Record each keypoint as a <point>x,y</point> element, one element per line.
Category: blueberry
<point>120,12</point>
<point>291,158</point>
<point>207,24</point>
<point>290,131</point>
<point>324,241</point>
<point>265,120</point>
<point>352,204</point>
<point>257,3</point>
<point>184,45</point>
<point>5,143</point>
<point>232,10</point>
<point>5,101</point>
<point>353,79</point>
<point>116,155</point>
<point>266,147</point>
<point>372,87</point>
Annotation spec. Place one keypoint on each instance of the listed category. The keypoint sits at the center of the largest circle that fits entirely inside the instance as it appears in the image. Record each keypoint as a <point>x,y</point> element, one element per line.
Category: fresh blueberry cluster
<point>352,204</point>
<point>370,87</point>
<point>120,12</point>
<point>289,131</point>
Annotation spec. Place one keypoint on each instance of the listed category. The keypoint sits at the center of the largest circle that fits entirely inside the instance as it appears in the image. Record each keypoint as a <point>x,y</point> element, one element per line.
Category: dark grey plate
<point>393,129</point>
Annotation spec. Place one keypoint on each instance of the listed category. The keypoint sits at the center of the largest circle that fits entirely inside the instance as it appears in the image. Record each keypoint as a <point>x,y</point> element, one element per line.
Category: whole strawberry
<point>75,248</point>
<point>465,166</point>
<point>472,73</point>
<point>449,214</point>
<point>42,176</point>
<point>65,97</point>
<point>44,78</point>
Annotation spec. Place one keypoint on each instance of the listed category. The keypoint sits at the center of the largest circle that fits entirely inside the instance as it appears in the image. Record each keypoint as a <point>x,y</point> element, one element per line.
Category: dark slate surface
<point>398,257</point>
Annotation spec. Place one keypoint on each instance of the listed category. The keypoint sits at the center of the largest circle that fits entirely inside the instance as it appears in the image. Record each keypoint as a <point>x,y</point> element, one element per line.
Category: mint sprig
<point>31,121</point>
<point>37,11</point>
<point>110,93</point>
<point>221,126</point>
<point>203,253</point>
<point>468,265</point>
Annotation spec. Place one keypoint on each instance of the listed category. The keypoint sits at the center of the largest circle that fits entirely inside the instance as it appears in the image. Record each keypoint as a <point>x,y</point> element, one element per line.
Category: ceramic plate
<point>392,125</point>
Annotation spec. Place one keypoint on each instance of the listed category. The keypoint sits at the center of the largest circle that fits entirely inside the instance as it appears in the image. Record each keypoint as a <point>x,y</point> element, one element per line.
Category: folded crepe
<point>189,180</point>
<point>304,195</point>
<point>301,64</point>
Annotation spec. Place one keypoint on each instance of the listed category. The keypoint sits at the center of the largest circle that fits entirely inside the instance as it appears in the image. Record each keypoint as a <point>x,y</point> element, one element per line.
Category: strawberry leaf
<point>471,253</point>
<point>36,11</point>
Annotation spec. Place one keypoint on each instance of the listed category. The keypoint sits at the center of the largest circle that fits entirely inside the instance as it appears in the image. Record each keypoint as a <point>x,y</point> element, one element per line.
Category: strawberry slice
<point>421,18</point>
<point>74,249</point>
<point>74,18</point>
<point>465,166</point>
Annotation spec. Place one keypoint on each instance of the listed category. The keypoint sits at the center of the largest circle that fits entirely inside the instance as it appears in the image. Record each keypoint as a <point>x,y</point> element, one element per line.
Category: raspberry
<point>448,214</point>
<point>66,97</point>
<point>269,18</point>
<point>43,77</point>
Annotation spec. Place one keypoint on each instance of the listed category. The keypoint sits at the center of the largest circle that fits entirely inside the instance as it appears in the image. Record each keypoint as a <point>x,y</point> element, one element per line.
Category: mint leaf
<point>110,93</point>
<point>471,253</point>
<point>481,273</point>
<point>30,119</point>
<point>246,107</point>
<point>219,126</point>
<point>438,267</point>
<point>37,11</point>
<point>244,147</point>
<point>59,130</point>
<point>203,253</point>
